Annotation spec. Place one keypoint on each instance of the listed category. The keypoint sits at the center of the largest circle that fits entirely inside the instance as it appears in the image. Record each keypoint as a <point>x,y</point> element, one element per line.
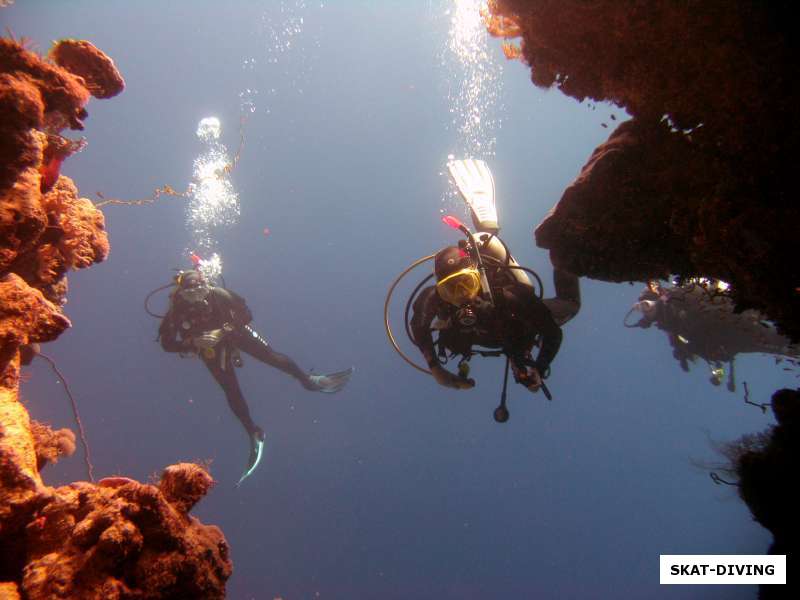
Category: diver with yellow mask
<point>483,302</point>
<point>214,323</point>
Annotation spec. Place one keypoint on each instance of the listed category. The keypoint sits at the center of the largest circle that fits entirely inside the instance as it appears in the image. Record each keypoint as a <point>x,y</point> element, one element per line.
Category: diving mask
<point>460,287</point>
<point>196,293</point>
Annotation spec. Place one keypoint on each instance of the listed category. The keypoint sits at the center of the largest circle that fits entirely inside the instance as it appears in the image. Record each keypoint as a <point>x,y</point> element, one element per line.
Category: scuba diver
<point>701,321</point>
<point>514,321</point>
<point>214,324</point>
<point>482,297</point>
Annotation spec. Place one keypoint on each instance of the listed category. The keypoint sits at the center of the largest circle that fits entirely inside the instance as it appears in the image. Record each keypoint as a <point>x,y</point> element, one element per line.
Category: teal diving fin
<point>331,383</point>
<point>475,183</point>
<point>256,450</point>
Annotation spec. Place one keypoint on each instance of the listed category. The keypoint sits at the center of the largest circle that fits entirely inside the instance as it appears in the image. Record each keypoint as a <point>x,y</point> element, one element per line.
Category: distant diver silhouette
<point>700,321</point>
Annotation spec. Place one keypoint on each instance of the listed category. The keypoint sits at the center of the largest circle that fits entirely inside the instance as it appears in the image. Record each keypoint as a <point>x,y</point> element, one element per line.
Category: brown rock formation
<point>41,235</point>
<point>98,71</point>
<point>699,183</point>
<point>26,316</point>
<point>125,540</point>
<point>35,97</point>
<point>624,208</point>
<point>764,464</point>
<point>118,538</point>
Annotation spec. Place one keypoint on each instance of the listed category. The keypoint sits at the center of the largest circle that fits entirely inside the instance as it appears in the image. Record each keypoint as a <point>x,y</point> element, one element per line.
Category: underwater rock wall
<point>124,539</point>
<point>118,538</point>
<point>700,181</point>
<point>766,468</point>
<point>765,464</point>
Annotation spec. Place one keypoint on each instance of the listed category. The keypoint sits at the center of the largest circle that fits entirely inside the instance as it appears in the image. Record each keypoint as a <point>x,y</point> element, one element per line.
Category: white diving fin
<point>475,183</point>
<point>332,382</point>
<point>256,450</point>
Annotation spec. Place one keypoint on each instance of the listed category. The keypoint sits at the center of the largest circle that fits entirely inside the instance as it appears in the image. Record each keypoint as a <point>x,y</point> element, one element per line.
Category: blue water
<point>395,488</point>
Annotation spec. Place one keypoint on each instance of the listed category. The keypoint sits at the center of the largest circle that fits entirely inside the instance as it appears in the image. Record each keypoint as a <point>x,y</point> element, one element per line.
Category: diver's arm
<point>424,311</point>
<point>533,311</point>
<point>168,335</point>
<point>551,343</point>
<point>567,302</point>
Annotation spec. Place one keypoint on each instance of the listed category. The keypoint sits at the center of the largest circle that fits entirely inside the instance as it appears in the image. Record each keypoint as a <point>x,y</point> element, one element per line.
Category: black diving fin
<point>256,450</point>
<point>331,383</point>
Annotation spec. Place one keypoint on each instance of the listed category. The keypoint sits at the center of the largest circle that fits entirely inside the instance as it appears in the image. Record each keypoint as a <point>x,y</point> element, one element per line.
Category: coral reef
<point>699,182</point>
<point>36,99</point>
<point>51,444</point>
<point>42,235</point>
<point>118,538</point>
<point>124,539</point>
<point>26,316</point>
<point>81,58</point>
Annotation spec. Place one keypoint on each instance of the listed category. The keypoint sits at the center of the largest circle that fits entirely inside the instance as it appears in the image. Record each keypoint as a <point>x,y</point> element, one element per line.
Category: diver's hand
<point>528,376</point>
<point>209,339</point>
<point>187,348</point>
<point>447,379</point>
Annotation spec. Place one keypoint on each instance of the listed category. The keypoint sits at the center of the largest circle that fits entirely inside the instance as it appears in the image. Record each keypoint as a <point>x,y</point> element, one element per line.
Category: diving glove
<point>529,377</point>
<point>447,379</point>
<point>329,384</point>
<point>256,450</point>
<point>208,339</point>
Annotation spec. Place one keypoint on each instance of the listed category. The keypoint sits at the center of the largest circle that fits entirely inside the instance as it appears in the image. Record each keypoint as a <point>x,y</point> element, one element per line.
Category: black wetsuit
<point>223,309</point>
<point>512,326</point>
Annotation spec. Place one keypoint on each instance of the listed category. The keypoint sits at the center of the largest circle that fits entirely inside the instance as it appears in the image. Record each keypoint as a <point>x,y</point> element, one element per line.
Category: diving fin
<point>256,450</point>
<point>475,183</point>
<point>331,383</point>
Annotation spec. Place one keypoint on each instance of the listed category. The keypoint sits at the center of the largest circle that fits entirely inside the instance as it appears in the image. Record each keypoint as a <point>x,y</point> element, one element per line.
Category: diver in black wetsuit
<point>701,321</point>
<point>515,321</point>
<point>213,322</point>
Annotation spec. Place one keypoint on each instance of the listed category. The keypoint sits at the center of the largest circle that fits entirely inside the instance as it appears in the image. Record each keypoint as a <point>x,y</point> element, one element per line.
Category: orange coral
<point>124,540</point>
<point>84,240</point>
<point>500,24</point>
<point>121,538</point>
<point>511,51</point>
<point>82,58</point>
<point>51,444</point>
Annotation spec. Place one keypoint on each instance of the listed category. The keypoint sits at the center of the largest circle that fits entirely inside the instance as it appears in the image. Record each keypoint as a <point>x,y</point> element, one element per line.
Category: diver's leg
<point>567,302</point>
<point>256,346</point>
<point>731,377</point>
<point>223,371</point>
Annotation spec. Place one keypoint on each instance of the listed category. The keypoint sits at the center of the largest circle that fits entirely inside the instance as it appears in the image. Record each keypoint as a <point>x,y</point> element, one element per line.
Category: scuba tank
<point>491,246</point>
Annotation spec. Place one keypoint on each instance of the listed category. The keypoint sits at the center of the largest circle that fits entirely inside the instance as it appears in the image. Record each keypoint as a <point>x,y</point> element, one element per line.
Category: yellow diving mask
<point>460,287</point>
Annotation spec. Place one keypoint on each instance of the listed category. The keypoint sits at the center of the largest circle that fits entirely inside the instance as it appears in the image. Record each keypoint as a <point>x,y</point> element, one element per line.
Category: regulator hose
<point>388,327</point>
